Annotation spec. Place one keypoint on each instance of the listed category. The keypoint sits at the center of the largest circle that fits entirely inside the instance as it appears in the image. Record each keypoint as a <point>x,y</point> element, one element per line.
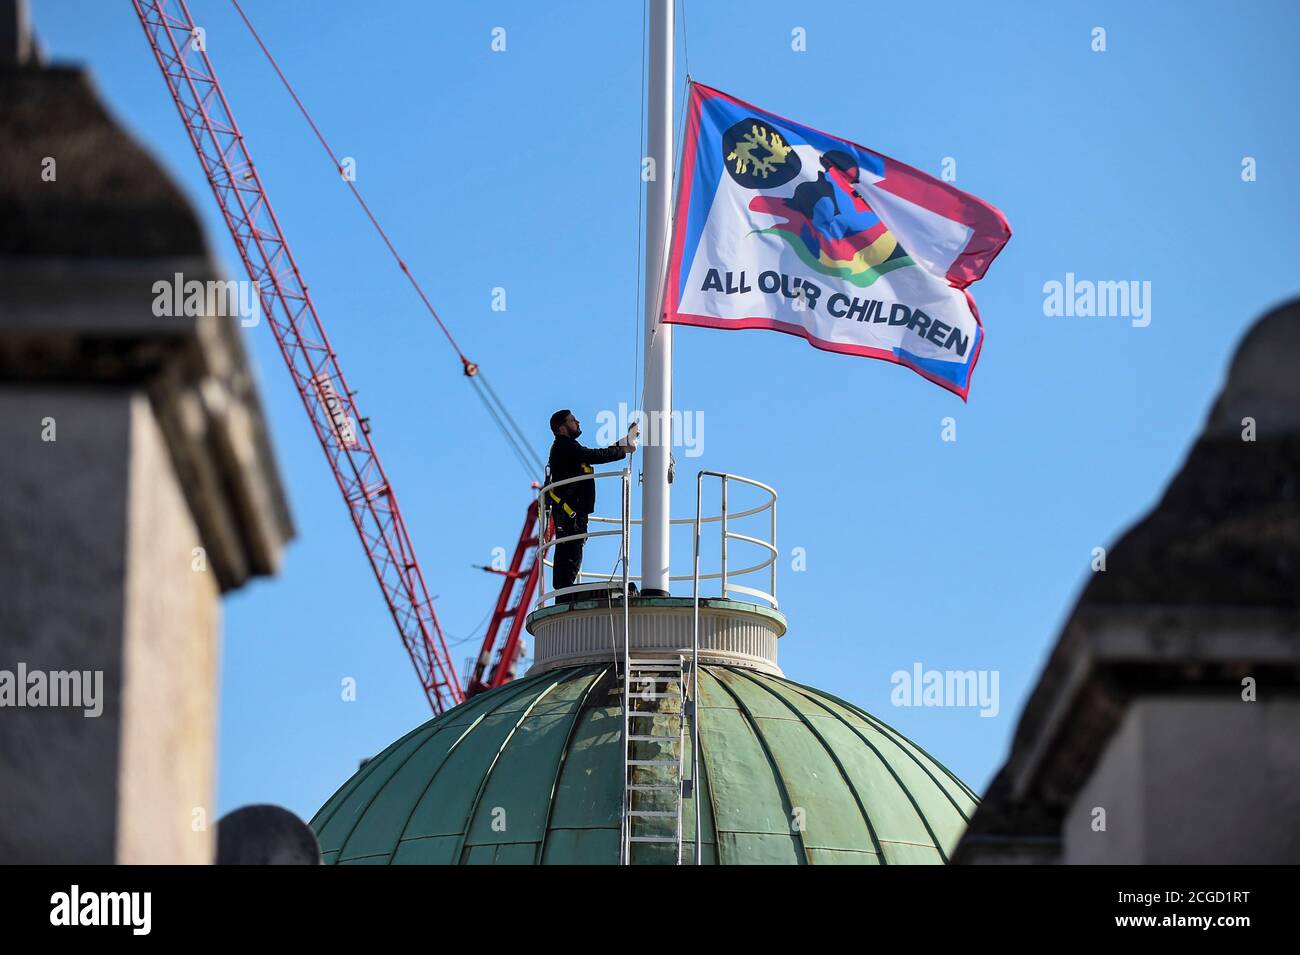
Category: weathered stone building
<point>1165,727</point>
<point>139,482</point>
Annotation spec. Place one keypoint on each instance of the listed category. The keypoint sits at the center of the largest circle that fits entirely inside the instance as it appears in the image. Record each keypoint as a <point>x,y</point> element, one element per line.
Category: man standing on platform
<point>572,504</point>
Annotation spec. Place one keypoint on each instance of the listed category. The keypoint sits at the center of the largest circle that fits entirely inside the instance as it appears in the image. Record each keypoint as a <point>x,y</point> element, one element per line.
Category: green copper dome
<point>532,773</point>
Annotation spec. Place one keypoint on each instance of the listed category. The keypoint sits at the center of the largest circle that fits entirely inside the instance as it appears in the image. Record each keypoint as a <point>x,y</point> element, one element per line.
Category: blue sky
<point>520,170</point>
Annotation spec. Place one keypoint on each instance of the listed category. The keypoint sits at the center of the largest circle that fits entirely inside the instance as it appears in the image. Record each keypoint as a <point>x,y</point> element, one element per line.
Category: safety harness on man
<point>568,511</point>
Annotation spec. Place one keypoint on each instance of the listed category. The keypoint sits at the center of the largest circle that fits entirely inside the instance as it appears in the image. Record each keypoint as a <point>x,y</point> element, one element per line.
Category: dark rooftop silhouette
<point>109,198</point>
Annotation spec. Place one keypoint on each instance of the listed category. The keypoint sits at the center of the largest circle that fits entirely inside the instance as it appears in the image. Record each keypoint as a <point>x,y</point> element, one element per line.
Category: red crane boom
<point>342,431</point>
<point>517,589</point>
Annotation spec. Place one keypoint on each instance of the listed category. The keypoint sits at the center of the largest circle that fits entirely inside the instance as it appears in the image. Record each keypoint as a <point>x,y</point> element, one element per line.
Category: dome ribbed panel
<point>531,773</point>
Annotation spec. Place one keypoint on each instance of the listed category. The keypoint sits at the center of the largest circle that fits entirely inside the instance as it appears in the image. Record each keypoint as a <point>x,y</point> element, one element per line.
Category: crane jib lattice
<point>331,406</point>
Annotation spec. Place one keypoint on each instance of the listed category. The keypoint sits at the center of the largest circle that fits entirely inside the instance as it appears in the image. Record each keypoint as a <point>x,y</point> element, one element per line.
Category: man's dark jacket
<point>569,459</point>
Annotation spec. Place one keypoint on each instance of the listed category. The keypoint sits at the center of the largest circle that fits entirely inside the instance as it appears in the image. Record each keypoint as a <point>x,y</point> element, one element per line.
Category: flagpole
<point>658,396</point>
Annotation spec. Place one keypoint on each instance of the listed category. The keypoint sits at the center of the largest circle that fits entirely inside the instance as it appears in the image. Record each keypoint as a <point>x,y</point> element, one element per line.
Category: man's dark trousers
<point>568,556</point>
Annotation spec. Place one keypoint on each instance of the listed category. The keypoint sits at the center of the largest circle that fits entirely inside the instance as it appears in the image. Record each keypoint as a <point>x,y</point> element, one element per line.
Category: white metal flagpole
<point>657,400</point>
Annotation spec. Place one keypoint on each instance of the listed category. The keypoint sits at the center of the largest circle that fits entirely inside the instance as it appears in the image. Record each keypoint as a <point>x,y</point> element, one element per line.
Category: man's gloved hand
<point>629,443</point>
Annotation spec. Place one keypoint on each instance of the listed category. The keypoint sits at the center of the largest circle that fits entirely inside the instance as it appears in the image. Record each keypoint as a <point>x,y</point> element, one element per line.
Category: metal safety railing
<point>727,535</point>
<point>725,574</point>
<point>591,582</point>
<point>546,499</point>
<point>595,581</point>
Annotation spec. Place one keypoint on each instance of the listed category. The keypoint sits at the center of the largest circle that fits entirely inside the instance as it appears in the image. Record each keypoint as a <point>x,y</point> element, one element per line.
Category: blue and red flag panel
<point>780,226</point>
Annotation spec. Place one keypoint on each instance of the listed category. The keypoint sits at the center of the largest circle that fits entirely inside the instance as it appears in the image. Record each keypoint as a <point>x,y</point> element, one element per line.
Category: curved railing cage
<point>762,556</point>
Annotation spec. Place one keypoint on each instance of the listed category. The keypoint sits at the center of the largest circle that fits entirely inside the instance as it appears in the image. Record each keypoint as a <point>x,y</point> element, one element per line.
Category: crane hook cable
<point>472,371</point>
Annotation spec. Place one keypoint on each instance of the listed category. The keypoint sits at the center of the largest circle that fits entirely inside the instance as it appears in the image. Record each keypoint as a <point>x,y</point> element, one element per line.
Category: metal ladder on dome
<point>656,708</point>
